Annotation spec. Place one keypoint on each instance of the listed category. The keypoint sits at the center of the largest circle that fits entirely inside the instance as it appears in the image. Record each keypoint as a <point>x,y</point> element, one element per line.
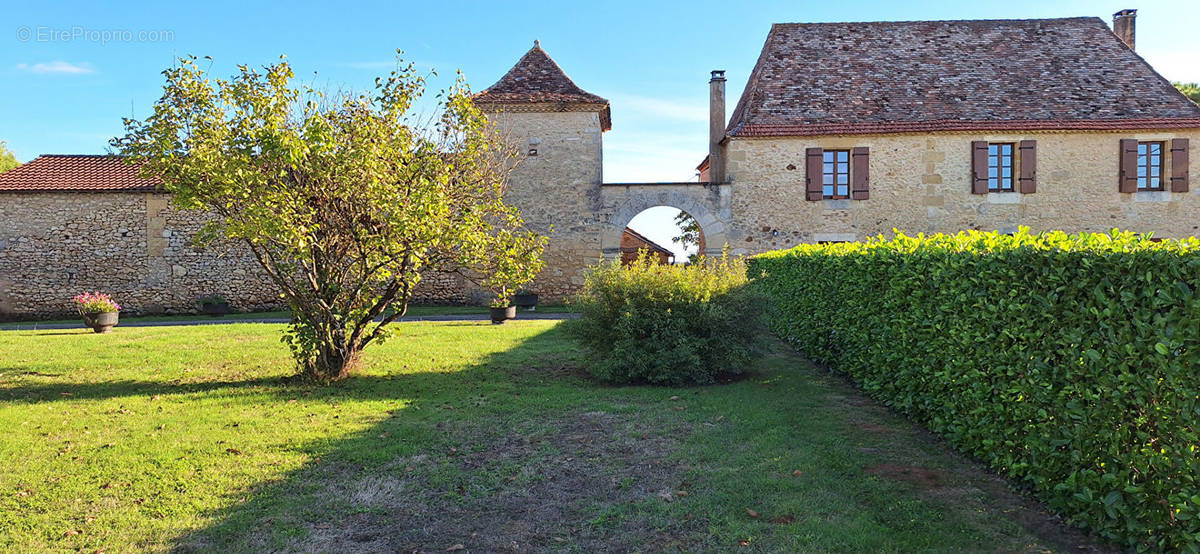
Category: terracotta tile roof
<point>919,76</point>
<point>75,172</point>
<point>646,243</point>
<point>537,79</point>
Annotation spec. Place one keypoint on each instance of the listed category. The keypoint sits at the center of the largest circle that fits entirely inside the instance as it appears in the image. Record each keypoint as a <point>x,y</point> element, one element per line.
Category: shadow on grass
<point>373,490</point>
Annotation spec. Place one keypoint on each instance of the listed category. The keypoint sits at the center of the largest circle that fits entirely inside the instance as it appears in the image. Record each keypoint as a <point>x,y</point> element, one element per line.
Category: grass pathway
<point>462,433</point>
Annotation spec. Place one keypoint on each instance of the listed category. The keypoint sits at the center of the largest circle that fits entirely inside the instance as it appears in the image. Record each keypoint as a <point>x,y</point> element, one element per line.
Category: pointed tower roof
<point>536,79</point>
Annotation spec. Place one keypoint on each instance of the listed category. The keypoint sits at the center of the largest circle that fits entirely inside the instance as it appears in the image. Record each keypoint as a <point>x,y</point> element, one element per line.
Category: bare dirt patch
<point>922,477</point>
<point>566,489</point>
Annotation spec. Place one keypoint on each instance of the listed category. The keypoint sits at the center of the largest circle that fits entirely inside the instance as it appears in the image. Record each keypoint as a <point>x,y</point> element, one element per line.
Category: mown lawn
<point>463,433</point>
<point>423,310</point>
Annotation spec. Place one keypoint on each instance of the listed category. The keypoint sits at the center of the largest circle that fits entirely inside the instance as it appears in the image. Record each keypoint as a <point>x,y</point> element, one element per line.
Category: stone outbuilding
<point>844,131</point>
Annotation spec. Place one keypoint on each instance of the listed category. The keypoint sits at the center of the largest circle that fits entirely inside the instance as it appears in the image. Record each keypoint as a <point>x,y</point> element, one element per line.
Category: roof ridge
<point>892,74</point>
<point>77,173</point>
<point>536,73</point>
<point>81,155</point>
<point>907,21</point>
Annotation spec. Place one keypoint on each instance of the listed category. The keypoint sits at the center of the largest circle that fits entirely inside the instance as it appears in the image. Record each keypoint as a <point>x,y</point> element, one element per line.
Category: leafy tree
<point>1190,90</point>
<point>345,200</point>
<point>8,160</point>
<point>690,234</point>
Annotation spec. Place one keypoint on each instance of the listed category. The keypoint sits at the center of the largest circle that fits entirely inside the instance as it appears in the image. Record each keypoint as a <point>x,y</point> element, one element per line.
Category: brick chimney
<point>1123,26</point>
<point>716,127</point>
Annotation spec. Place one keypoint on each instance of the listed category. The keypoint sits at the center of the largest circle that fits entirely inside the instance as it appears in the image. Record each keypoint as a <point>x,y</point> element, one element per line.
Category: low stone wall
<point>138,248</point>
<point>134,246</point>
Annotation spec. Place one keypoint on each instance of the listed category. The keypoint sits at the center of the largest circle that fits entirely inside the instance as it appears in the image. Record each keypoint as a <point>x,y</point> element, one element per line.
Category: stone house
<point>844,131</point>
<point>848,130</point>
<point>633,243</point>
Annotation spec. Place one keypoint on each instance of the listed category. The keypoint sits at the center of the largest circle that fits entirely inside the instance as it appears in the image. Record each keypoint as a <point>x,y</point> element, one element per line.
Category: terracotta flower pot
<point>500,315</point>
<point>101,322</point>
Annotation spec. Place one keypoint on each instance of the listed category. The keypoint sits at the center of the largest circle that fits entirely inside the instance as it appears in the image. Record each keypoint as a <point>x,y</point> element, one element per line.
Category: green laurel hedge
<point>1071,362</point>
<point>649,323</point>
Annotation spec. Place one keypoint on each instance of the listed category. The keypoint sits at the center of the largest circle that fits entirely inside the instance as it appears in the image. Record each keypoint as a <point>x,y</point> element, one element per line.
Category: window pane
<point>843,156</point>
<point>993,172</point>
<point>843,190</point>
<point>828,157</point>
<point>843,178</point>
<point>1154,147</point>
<point>1142,182</point>
<point>827,190</point>
<point>843,167</point>
<point>1142,149</point>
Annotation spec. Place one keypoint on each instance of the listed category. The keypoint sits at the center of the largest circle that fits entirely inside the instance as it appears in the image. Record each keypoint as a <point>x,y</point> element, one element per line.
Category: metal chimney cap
<point>718,74</point>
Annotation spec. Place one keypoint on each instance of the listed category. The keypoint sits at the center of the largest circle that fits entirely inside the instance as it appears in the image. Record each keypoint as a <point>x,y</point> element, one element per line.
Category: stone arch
<point>635,201</point>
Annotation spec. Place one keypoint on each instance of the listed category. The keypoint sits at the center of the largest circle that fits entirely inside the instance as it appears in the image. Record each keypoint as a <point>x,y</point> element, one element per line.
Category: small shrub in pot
<point>98,311</point>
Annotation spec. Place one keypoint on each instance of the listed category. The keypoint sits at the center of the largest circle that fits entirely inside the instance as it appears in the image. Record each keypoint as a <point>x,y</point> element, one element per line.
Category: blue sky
<point>69,72</point>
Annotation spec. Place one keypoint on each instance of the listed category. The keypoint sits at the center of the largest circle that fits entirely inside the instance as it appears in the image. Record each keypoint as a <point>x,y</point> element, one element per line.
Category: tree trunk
<point>332,362</point>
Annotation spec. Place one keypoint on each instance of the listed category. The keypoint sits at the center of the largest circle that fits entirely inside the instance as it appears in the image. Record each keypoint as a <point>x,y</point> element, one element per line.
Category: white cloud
<point>57,67</point>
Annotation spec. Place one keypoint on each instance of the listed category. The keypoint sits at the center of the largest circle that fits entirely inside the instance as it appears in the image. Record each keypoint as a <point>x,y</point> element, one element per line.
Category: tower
<point>558,129</point>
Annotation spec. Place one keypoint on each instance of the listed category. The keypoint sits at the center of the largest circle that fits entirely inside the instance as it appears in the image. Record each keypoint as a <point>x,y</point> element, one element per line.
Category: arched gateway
<point>558,184</point>
<point>707,203</point>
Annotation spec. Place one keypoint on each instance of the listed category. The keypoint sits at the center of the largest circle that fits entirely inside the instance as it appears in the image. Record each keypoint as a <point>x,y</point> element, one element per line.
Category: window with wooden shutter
<point>860,173</point>
<point>1128,181</point>
<point>979,167</point>
<point>813,173</point>
<point>835,174</point>
<point>1150,166</point>
<point>1000,167</point>
<point>1028,163</point>
<point>1179,165</point>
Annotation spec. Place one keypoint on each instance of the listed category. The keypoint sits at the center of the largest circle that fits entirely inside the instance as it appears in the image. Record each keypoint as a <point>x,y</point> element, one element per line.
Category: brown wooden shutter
<point>1028,173</point>
<point>814,166</point>
<point>1128,174</point>
<point>979,167</point>
<point>1179,165</point>
<point>860,173</point>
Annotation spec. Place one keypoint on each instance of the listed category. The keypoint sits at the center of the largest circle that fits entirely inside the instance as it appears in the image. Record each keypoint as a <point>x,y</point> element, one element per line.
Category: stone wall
<point>137,248</point>
<point>922,183</point>
<point>556,186</point>
<point>134,246</point>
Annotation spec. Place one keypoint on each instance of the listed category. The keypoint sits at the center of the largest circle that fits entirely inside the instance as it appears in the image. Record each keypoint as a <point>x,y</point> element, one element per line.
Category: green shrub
<point>668,325</point>
<point>1071,362</point>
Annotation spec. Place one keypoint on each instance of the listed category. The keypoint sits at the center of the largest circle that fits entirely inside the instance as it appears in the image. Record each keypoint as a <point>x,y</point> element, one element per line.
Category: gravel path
<point>218,321</point>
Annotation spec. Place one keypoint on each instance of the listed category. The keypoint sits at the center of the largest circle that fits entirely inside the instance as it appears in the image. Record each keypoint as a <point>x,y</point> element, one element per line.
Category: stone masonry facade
<point>922,183</point>
<point>132,245</point>
<point>136,247</point>
<point>914,140</point>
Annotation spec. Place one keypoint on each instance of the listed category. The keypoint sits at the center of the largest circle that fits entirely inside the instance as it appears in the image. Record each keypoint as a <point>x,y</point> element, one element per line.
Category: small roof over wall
<point>76,173</point>
<point>922,76</point>
<point>539,84</point>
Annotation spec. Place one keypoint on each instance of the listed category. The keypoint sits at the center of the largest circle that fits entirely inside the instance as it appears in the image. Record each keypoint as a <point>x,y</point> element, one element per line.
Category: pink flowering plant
<point>95,303</point>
